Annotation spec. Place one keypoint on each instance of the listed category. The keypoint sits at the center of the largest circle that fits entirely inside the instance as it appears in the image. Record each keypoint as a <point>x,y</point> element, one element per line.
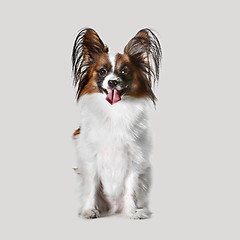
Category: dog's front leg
<point>90,184</point>
<point>136,195</point>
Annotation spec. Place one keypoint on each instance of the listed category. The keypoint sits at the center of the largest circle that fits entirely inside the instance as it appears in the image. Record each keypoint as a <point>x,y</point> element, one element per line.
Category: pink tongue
<point>113,96</point>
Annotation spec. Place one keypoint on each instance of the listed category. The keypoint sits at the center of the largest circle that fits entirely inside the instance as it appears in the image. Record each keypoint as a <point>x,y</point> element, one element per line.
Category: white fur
<point>111,75</point>
<point>113,148</point>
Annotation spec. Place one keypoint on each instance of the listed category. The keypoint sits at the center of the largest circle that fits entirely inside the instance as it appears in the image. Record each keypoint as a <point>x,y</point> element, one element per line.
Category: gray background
<point>195,194</point>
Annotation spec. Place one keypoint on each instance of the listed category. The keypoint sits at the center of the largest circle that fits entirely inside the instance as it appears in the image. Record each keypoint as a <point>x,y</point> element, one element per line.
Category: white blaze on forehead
<point>112,58</point>
<point>111,75</point>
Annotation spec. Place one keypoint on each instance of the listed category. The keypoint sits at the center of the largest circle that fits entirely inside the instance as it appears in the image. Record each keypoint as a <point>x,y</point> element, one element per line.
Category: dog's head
<point>128,74</point>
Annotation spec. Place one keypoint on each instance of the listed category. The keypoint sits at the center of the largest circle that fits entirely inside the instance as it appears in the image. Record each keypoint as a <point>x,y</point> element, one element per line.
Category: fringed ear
<point>87,48</point>
<point>145,52</point>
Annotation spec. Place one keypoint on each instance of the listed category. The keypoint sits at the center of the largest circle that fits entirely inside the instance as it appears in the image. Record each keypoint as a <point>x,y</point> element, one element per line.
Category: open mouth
<point>114,95</point>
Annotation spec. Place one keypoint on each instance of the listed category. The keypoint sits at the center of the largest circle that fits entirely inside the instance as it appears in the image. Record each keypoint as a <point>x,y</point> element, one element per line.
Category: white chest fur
<point>112,138</point>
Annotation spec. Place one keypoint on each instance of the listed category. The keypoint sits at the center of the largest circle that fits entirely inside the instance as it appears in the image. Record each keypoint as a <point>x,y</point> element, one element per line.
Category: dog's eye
<point>125,70</point>
<point>102,72</point>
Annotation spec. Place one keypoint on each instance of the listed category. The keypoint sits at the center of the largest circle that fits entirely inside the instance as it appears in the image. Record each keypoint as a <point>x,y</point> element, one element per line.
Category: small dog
<point>113,140</point>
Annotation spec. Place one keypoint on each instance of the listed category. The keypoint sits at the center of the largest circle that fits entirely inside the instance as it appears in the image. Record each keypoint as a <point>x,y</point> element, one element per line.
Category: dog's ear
<point>87,49</point>
<point>145,52</point>
<point>88,45</point>
<point>92,45</point>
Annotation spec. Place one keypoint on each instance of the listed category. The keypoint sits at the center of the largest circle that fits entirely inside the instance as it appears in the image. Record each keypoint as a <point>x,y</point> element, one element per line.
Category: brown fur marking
<point>76,133</point>
<point>91,86</point>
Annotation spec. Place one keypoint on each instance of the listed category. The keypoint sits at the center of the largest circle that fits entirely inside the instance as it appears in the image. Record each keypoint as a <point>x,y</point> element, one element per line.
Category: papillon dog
<point>113,142</point>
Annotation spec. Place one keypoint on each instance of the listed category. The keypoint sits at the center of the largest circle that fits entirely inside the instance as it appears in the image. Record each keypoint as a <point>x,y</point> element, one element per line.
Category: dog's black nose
<point>112,83</point>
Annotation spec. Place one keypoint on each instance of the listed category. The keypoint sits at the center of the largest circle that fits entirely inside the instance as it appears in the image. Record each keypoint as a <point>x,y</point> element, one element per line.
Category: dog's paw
<point>90,214</point>
<point>141,213</point>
